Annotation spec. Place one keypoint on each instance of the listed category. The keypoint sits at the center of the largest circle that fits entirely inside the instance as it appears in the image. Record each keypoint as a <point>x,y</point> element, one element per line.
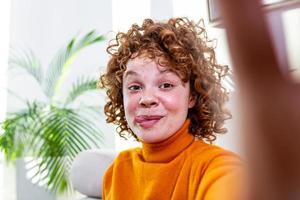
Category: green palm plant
<point>55,130</point>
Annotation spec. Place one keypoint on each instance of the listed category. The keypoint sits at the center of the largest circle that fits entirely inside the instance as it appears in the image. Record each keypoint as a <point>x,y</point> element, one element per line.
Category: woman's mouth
<point>147,121</point>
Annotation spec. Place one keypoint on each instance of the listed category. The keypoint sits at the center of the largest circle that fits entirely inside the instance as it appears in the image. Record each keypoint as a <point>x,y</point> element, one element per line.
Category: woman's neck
<point>168,149</point>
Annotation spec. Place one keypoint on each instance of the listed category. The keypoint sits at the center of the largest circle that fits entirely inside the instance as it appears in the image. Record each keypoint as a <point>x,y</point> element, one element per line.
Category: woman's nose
<point>148,99</point>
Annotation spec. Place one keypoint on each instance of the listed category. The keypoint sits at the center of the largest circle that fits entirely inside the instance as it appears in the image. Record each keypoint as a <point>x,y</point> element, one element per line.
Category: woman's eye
<point>134,87</point>
<point>166,86</point>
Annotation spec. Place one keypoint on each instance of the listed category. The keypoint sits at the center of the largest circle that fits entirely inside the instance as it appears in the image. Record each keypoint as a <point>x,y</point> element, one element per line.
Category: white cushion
<point>88,169</point>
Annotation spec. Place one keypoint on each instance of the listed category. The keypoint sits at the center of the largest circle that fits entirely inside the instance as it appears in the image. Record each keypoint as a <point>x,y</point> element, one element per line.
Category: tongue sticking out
<point>147,121</point>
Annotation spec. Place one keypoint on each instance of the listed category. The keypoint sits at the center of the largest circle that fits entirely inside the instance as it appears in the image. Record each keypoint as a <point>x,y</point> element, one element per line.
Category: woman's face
<point>156,100</point>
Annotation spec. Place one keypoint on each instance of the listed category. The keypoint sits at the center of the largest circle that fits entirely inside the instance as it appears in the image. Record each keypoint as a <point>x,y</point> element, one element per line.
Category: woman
<point>164,89</point>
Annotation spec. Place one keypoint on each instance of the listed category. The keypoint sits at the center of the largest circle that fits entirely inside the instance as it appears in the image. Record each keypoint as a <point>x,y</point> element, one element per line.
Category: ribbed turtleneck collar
<point>168,149</point>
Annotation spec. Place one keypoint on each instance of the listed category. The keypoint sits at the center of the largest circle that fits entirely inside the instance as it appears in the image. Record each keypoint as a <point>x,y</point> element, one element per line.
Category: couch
<point>87,171</point>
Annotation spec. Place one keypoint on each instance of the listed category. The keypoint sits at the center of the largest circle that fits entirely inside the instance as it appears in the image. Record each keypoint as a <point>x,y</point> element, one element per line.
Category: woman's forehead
<point>140,62</point>
<point>143,63</point>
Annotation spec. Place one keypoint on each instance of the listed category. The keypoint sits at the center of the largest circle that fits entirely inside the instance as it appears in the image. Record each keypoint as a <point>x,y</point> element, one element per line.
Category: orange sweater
<point>178,168</point>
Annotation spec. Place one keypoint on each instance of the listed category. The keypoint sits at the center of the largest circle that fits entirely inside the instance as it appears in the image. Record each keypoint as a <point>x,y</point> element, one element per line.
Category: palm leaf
<point>26,60</point>
<point>61,62</point>
<point>81,86</point>
<point>64,134</point>
<point>17,128</point>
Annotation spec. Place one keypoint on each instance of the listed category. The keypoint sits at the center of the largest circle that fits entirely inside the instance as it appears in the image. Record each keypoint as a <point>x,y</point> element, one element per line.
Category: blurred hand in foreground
<point>270,103</point>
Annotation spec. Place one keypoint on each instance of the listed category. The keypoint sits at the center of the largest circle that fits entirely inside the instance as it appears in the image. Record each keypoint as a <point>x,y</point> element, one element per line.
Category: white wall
<point>291,25</point>
<point>4,41</point>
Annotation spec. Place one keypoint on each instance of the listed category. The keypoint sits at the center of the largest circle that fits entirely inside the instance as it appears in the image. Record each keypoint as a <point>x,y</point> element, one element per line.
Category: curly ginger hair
<point>183,47</point>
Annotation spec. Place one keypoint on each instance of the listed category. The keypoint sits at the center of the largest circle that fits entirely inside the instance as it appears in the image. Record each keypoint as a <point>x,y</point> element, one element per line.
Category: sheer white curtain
<point>4,41</point>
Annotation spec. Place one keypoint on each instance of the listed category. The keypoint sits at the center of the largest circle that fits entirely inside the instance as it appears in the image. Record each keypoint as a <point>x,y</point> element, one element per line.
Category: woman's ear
<point>192,101</point>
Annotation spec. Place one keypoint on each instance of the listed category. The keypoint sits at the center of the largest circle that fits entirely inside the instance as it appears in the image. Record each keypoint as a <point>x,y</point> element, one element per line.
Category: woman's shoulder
<point>222,173</point>
<point>200,146</point>
<point>212,155</point>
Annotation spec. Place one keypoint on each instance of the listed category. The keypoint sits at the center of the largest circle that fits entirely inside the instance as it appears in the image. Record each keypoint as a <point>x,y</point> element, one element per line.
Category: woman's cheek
<point>172,101</point>
<point>130,103</point>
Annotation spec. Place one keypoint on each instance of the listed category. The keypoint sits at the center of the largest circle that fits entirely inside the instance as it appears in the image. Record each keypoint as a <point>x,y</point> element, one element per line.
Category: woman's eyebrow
<point>165,70</point>
<point>168,71</point>
<point>133,73</point>
<point>130,73</point>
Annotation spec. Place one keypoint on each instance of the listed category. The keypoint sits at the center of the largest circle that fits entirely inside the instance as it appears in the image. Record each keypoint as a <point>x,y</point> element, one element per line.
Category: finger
<point>250,44</point>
